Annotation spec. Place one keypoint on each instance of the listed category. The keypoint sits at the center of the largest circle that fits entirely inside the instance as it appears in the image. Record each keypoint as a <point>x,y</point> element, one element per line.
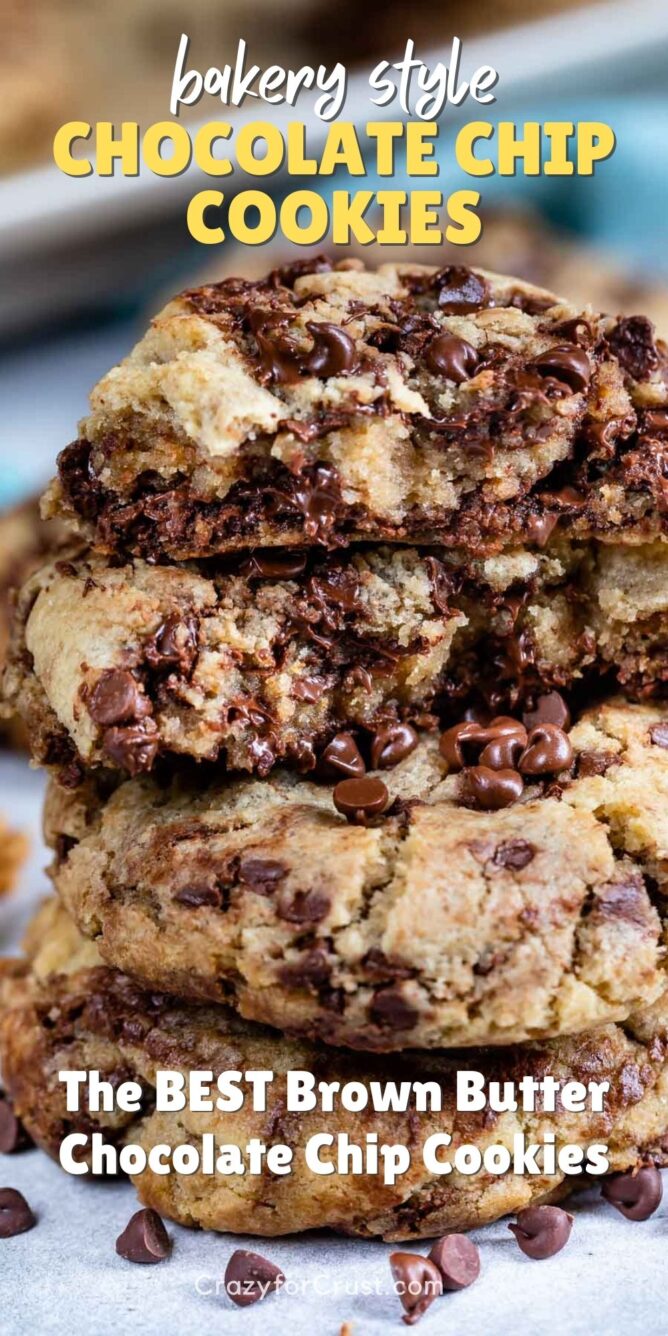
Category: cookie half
<point>331,402</point>
<point>275,655</point>
<point>71,1013</point>
<point>435,924</point>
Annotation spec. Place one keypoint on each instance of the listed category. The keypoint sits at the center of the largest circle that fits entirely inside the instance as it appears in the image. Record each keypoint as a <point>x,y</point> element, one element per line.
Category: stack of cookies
<point>349,684</point>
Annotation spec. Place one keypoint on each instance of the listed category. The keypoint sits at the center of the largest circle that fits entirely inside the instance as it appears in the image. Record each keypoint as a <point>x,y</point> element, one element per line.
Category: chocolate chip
<point>262,875</point>
<point>133,748</point>
<point>548,751</point>
<point>567,364</point>
<point>273,565</point>
<point>596,763</point>
<point>637,1193</point>
<point>539,528</point>
<point>144,1238</point>
<point>308,689</point>
<point>491,790</point>
<point>116,698</point>
<point>391,1010</point>
<point>548,709</point>
<point>342,757</point>
<point>441,584</point>
<point>542,1231</point>
<point>195,897</point>
<point>333,350</point>
<point>457,1259</point>
<point>318,495</point>
<point>250,1277</point>
<point>174,645</point>
<point>304,906</point>
<point>312,970</point>
<point>360,799</point>
<point>391,745</point>
<point>337,585</point>
<point>632,342</point>
<point>446,355</point>
<point>459,290</point>
<point>658,735</point>
<point>514,854</point>
<point>504,747</point>
<point>13,1136</point>
<point>16,1216</point>
<point>417,1282</point>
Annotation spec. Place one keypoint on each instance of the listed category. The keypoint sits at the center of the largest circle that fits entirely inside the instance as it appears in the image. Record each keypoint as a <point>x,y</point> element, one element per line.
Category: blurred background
<point>85,261</point>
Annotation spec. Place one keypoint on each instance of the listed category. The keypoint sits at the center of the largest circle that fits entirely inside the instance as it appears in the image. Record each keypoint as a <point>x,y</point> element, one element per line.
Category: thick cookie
<point>120,665</point>
<point>436,925</point>
<point>74,1014</point>
<point>410,404</point>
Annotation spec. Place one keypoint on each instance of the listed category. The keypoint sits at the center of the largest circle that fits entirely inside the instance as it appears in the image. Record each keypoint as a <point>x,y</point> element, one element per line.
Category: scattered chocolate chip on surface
<point>144,1238</point>
<point>636,1193</point>
<point>550,708</point>
<point>342,756</point>
<point>491,790</point>
<point>458,1260</point>
<point>391,745</point>
<point>250,1277</point>
<point>417,1282</point>
<point>542,1231</point>
<point>16,1216</point>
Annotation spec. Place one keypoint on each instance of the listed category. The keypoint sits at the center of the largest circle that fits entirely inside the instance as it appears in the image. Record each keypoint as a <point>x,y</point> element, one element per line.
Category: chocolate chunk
<point>457,1259</point>
<point>250,1277</point>
<point>360,799</point>
<point>144,1238</point>
<point>341,757</point>
<point>514,854</point>
<point>262,875</point>
<point>548,751</point>
<point>304,906</point>
<point>16,1216</point>
<point>539,528</point>
<point>567,364</point>
<point>273,565</point>
<point>336,585</point>
<point>287,274</point>
<point>13,1136</point>
<point>441,584</point>
<point>542,1231</point>
<point>312,970</point>
<point>596,763</point>
<point>632,342</point>
<point>625,900</point>
<point>391,745</point>
<point>417,1282</point>
<point>459,290</point>
<point>390,1009</point>
<point>491,790</point>
<point>318,495</point>
<point>308,689</point>
<point>637,1193</point>
<point>446,355</point>
<point>133,748</point>
<point>548,709</point>
<point>174,646</point>
<point>195,897</point>
<point>116,698</point>
<point>658,735</point>
<point>333,350</point>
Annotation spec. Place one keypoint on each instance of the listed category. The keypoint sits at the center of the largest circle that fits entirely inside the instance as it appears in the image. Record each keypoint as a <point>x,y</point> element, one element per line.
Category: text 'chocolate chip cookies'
<point>350,676</point>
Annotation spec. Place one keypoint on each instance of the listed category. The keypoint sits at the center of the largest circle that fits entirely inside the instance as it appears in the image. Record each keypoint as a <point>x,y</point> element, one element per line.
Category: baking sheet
<point>65,1275</point>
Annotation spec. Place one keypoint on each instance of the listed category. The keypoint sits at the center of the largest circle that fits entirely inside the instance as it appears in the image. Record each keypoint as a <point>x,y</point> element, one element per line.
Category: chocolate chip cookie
<point>331,402</point>
<point>502,884</point>
<point>278,655</point>
<point>72,1013</point>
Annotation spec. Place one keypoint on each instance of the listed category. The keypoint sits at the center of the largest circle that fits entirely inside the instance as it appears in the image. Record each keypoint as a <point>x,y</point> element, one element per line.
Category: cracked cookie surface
<point>68,1012</point>
<point>406,404</point>
<point>435,925</point>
